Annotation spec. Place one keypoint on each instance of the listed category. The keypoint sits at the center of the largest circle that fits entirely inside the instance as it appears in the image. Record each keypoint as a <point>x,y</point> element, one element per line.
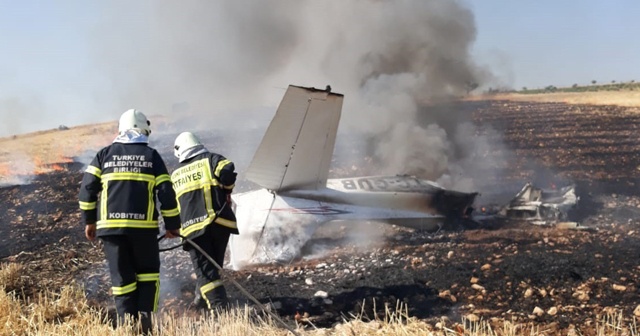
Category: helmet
<point>134,119</point>
<point>183,142</point>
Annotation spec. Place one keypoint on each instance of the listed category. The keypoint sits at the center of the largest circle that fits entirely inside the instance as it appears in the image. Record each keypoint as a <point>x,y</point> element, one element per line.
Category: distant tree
<point>470,86</point>
<point>574,85</point>
<point>632,81</point>
<point>593,81</point>
<point>613,82</point>
<point>524,88</point>
<point>493,90</point>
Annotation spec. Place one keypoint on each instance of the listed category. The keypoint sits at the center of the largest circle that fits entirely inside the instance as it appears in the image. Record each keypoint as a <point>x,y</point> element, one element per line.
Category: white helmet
<point>183,142</point>
<point>134,119</point>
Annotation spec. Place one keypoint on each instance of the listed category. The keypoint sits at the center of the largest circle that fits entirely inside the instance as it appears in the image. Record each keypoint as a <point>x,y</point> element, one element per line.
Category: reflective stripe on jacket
<point>202,184</point>
<point>127,178</point>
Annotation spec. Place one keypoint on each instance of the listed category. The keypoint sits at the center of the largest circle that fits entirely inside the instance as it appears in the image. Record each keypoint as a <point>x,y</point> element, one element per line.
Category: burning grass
<point>22,170</point>
<point>25,156</point>
<point>67,312</point>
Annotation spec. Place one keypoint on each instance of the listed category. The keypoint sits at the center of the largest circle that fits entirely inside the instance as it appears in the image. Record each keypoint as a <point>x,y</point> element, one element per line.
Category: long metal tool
<point>235,283</point>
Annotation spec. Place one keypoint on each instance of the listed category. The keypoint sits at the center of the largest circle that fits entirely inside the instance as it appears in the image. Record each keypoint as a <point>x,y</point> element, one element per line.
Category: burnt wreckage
<point>291,166</point>
<point>541,206</point>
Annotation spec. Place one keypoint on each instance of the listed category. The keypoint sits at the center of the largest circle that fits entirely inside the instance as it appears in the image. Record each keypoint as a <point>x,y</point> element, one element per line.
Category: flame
<point>57,167</point>
<point>14,169</point>
<point>5,169</point>
<point>12,173</point>
<point>49,151</point>
<point>19,170</point>
<point>42,167</point>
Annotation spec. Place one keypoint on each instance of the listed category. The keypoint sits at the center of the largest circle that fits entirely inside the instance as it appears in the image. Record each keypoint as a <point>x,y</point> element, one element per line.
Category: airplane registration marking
<point>322,210</point>
<point>383,184</point>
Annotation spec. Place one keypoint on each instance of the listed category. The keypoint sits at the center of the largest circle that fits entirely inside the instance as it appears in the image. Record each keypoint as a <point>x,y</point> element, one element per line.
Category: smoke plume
<point>19,114</point>
<point>397,62</point>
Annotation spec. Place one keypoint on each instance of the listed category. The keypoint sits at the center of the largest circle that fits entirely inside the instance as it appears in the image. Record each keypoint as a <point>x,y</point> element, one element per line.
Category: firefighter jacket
<point>128,177</point>
<point>203,184</point>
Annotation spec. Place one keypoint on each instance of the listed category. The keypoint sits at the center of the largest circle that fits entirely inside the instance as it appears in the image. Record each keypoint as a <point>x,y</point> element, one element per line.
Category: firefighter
<point>203,184</point>
<point>128,175</point>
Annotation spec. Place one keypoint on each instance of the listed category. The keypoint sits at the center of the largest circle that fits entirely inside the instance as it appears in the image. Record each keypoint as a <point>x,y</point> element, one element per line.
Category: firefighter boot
<point>199,302</point>
<point>218,298</point>
<point>146,328</point>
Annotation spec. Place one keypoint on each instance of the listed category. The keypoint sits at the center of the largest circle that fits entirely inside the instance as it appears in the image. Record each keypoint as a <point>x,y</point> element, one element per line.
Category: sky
<point>53,52</point>
<point>545,42</point>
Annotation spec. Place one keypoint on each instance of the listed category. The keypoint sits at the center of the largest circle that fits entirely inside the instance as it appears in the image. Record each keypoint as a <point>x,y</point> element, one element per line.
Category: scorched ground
<point>501,270</point>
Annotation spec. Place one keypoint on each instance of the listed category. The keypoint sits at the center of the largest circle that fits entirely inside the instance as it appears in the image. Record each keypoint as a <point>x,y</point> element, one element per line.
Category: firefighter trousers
<point>214,242</point>
<point>134,266</point>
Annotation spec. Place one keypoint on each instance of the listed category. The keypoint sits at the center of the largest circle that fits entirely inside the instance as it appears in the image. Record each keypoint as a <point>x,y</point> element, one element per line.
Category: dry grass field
<point>66,311</point>
<point>619,98</point>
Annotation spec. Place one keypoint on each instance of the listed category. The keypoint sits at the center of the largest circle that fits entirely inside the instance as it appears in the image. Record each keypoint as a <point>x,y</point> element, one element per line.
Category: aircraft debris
<point>541,206</point>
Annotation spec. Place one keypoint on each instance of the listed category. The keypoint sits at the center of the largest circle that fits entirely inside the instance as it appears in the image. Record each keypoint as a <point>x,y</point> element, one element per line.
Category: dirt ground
<point>503,270</point>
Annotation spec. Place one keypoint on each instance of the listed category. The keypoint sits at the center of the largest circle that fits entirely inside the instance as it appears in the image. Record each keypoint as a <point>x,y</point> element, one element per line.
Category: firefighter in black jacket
<point>203,184</point>
<point>128,175</point>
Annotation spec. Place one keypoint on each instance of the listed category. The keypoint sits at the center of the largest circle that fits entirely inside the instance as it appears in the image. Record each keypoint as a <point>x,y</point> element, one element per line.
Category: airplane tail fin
<point>296,150</point>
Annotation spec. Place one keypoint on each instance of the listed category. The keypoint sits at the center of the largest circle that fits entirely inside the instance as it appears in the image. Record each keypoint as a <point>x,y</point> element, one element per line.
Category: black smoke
<point>399,64</point>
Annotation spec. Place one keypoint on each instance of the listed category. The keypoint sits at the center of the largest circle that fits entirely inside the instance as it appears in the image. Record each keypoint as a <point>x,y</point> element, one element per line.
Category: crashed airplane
<point>292,166</point>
